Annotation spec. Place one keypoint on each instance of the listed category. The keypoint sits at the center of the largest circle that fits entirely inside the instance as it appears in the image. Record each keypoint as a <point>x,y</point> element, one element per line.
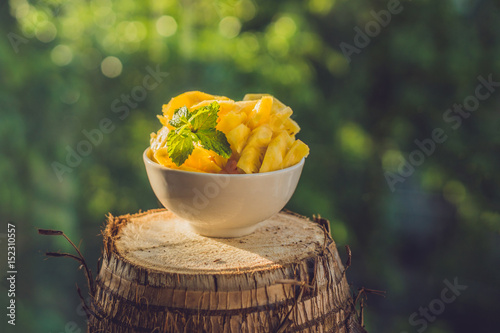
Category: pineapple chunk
<point>260,137</point>
<point>245,106</point>
<point>203,160</point>
<point>186,99</point>
<point>161,156</point>
<point>151,156</point>
<point>219,160</point>
<point>277,120</point>
<point>251,156</point>
<point>249,161</point>
<point>277,104</point>
<point>291,126</point>
<point>261,112</point>
<point>284,113</point>
<point>159,140</point>
<point>231,121</point>
<point>200,160</point>
<point>276,152</point>
<point>237,138</point>
<point>225,106</point>
<point>297,151</point>
<point>254,97</point>
<point>163,120</point>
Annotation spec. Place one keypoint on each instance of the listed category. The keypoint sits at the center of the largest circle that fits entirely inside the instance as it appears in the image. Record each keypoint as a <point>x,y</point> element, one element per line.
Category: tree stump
<point>157,275</point>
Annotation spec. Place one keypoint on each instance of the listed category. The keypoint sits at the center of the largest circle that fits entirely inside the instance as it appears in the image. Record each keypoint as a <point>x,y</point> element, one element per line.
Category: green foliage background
<point>360,119</point>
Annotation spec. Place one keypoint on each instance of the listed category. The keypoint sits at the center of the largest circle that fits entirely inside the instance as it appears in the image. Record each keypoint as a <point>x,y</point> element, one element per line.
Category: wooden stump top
<point>162,242</point>
<point>157,275</point>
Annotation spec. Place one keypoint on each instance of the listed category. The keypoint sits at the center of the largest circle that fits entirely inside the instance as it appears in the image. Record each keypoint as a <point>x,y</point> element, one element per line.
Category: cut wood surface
<point>157,275</point>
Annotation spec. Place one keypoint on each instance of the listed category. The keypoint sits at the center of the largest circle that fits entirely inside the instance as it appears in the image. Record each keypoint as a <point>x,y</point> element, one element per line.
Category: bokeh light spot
<point>166,26</point>
<point>22,10</point>
<point>61,55</point>
<point>278,46</point>
<point>337,64</point>
<point>111,44</point>
<point>491,220</point>
<point>104,16</point>
<point>46,32</point>
<point>454,191</point>
<point>321,6</point>
<point>391,160</point>
<point>285,26</point>
<point>354,141</point>
<point>133,31</point>
<point>72,28</point>
<point>248,45</point>
<point>229,27</point>
<point>339,232</point>
<point>246,10</point>
<point>432,180</point>
<point>111,67</point>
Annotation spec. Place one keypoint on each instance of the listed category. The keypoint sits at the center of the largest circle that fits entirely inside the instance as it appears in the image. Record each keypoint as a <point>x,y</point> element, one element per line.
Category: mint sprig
<point>196,127</point>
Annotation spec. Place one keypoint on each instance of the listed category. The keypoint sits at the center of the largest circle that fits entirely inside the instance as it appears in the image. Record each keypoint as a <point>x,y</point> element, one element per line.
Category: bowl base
<point>224,233</point>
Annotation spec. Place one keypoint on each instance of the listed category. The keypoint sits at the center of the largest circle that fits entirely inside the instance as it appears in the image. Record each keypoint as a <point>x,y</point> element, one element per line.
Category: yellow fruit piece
<point>187,99</point>
<point>225,106</point>
<point>161,155</point>
<point>251,156</point>
<point>297,152</point>
<point>252,97</point>
<point>151,155</point>
<point>261,112</point>
<point>159,140</point>
<point>277,104</point>
<point>272,159</point>
<point>200,160</point>
<point>219,160</point>
<point>231,120</point>
<point>260,137</point>
<point>238,137</point>
<point>291,126</point>
<point>245,106</point>
<point>249,161</point>
<point>276,152</point>
<point>203,160</point>
<point>163,120</point>
<point>277,119</point>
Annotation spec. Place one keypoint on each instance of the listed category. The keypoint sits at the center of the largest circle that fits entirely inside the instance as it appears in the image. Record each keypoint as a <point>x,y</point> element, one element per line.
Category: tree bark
<point>157,275</point>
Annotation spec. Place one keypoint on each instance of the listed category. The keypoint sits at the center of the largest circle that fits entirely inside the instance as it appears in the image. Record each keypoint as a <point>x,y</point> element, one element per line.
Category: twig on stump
<point>349,257</point>
<point>286,322</point>
<point>79,258</point>
<point>362,296</point>
<point>323,222</point>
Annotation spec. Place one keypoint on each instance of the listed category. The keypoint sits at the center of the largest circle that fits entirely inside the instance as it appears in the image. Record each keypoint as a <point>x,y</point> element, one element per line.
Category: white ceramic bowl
<point>222,205</point>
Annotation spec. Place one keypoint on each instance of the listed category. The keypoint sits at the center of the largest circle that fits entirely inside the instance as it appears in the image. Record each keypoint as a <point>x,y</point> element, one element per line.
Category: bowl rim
<point>232,175</point>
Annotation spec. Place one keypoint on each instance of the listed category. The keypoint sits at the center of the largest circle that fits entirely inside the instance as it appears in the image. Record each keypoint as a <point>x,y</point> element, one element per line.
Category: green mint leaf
<point>196,127</point>
<point>179,146</point>
<point>214,140</point>
<point>181,117</point>
<point>205,118</point>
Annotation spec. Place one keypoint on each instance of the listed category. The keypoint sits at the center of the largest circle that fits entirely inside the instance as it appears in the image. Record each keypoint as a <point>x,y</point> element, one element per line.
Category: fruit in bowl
<point>225,166</point>
<point>222,205</point>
